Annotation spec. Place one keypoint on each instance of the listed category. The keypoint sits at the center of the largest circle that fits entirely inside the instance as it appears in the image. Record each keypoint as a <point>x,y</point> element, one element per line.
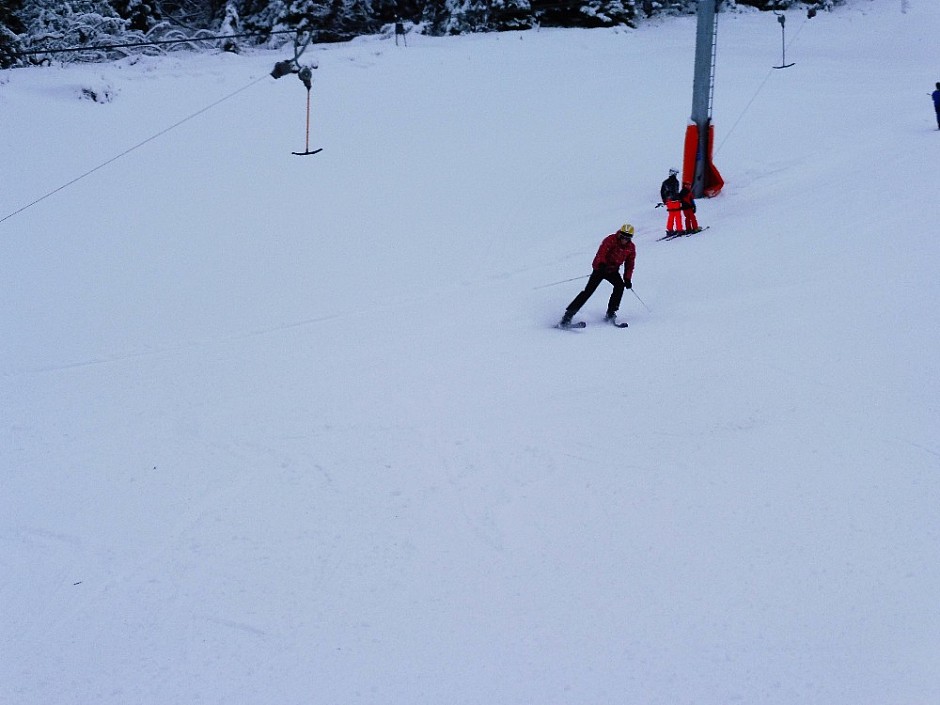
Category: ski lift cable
<point>743,112</point>
<point>756,93</point>
<point>136,146</point>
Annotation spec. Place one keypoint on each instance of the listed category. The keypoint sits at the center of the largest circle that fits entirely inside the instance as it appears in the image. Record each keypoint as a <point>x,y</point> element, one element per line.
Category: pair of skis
<point>675,235</point>
<point>578,325</point>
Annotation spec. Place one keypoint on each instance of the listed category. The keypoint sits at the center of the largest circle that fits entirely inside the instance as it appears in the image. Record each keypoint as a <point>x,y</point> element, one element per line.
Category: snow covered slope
<point>297,430</point>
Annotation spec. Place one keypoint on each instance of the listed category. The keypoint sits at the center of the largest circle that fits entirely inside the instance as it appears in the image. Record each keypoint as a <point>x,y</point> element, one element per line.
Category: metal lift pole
<point>703,86</point>
<point>782,19</point>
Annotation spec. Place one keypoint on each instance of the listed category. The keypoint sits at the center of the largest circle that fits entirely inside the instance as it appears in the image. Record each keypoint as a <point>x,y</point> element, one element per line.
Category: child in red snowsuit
<point>687,204</point>
<point>674,221</point>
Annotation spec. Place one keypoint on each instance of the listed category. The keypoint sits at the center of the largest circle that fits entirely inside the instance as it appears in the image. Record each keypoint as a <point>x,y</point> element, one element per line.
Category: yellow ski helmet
<point>627,229</point>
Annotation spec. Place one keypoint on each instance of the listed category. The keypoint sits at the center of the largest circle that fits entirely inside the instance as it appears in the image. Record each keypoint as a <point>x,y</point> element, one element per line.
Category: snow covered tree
<point>60,24</point>
<point>457,16</point>
<point>142,15</point>
<point>435,16</point>
<point>651,8</point>
<point>468,16</point>
<point>72,24</point>
<point>329,20</point>
<point>511,15</point>
<point>10,29</point>
<point>259,15</point>
<point>387,11</point>
<point>487,15</point>
<point>229,25</point>
<point>608,13</point>
<point>788,4</point>
<point>586,13</point>
<point>194,14</point>
<point>351,18</point>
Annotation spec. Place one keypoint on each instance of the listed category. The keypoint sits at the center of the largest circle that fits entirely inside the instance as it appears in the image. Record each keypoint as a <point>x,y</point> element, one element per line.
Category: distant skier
<point>936,104</point>
<point>669,192</point>
<point>687,201</point>
<point>616,249</point>
<point>400,31</point>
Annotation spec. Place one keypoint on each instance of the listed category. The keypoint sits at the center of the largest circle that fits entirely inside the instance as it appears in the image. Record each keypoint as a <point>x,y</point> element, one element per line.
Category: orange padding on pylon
<point>713,180</point>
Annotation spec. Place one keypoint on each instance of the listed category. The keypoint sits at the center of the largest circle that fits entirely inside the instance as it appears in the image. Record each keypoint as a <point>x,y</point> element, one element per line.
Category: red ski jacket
<point>612,253</point>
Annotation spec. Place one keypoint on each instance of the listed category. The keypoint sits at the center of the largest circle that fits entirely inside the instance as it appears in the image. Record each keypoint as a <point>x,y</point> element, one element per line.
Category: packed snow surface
<point>281,430</point>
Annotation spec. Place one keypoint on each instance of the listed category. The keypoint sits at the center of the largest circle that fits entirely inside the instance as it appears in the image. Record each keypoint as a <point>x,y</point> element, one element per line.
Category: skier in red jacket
<point>616,249</point>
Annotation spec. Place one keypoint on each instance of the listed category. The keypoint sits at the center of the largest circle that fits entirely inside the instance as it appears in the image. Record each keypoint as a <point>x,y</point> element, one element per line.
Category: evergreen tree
<point>769,4</point>
<point>10,29</point>
<point>329,20</point>
<point>192,14</point>
<point>388,11</point>
<point>229,25</point>
<point>511,15</point>
<point>72,24</point>
<point>608,13</point>
<point>58,24</point>
<point>351,18</point>
<point>435,16</point>
<point>259,15</point>
<point>142,15</point>
<point>586,13</point>
<point>468,16</point>
<point>673,7</point>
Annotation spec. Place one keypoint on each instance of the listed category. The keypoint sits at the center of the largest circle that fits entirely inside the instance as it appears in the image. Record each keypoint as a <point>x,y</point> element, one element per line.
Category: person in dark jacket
<point>669,192</point>
<point>936,104</point>
<point>616,249</point>
<point>670,188</point>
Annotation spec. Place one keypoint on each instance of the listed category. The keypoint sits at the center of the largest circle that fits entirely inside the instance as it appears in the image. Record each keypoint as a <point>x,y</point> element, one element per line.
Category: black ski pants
<point>594,281</point>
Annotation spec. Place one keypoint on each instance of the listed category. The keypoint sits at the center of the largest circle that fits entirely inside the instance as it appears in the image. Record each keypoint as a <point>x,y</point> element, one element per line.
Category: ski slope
<point>298,430</point>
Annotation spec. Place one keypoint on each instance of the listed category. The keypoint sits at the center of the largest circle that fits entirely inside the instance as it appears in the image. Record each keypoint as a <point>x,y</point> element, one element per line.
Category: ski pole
<point>640,300</point>
<point>564,281</point>
<point>307,141</point>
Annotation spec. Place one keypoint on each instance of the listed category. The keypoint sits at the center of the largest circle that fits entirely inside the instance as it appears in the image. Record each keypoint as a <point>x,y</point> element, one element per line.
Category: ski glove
<point>627,284</point>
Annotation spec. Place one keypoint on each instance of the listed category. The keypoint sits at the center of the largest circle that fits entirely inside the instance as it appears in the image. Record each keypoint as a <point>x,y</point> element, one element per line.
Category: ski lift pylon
<point>782,19</point>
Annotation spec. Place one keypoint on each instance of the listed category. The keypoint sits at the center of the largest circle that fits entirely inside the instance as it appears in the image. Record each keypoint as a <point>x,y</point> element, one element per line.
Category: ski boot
<point>612,319</point>
<point>567,324</point>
